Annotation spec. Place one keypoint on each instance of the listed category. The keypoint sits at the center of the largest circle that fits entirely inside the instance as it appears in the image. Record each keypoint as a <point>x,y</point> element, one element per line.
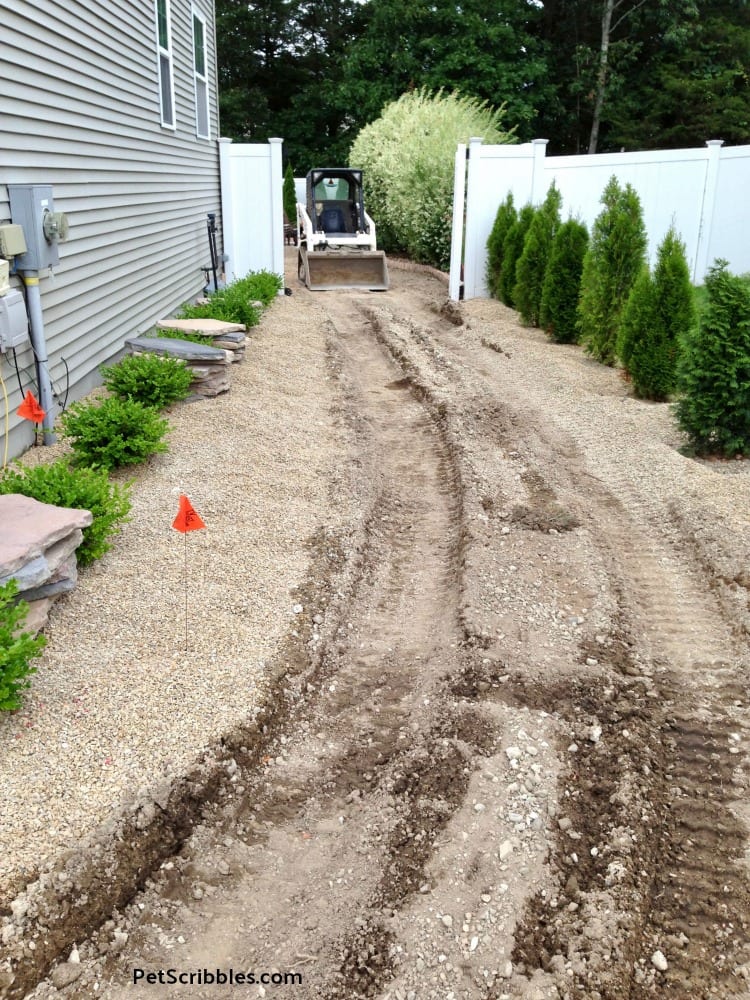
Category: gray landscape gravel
<point>118,703</point>
<point>510,755</point>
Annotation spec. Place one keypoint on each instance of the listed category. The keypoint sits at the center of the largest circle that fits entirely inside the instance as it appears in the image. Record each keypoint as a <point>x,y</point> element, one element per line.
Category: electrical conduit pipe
<point>39,346</point>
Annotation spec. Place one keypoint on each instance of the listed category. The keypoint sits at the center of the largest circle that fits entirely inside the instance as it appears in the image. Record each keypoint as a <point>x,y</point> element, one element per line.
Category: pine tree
<point>641,337</point>
<point>673,287</point>
<point>504,219</point>
<point>512,250</point>
<point>532,264</point>
<point>289,196</point>
<point>658,315</point>
<point>614,258</point>
<point>714,370</point>
<point>562,282</point>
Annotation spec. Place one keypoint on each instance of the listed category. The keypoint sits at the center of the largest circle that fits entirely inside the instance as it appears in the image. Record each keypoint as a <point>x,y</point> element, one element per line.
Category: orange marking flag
<point>30,409</point>
<point>187,519</point>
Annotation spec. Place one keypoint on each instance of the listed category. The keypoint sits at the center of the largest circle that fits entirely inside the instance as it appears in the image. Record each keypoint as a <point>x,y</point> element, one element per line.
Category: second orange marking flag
<point>187,517</point>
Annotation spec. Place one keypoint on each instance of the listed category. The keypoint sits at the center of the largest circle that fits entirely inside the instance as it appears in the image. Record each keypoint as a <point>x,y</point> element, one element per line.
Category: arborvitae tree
<point>641,338</point>
<point>512,250</point>
<point>615,256</point>
<point>658,315</point>
<point>506,216</point>
<point>714,370</point>
<point>289,195</point>
<point>673,286</point>
<point>532,264</point>
<point>562,282</point>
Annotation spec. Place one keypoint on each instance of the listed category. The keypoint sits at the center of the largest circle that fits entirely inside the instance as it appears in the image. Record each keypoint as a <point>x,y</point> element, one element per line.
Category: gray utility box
<point>28,204</point>
<point>14,326</point>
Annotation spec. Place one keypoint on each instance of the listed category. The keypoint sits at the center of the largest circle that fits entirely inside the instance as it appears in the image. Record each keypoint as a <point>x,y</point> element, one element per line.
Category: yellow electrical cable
<point>7,420</point>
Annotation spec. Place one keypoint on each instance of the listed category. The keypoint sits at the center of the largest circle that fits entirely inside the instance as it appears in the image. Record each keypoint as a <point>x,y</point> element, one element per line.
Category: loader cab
<point>334,201</point>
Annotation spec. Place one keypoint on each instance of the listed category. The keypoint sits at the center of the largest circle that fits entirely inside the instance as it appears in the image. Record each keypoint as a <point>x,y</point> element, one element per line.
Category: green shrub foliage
<point>512,250</point>
<point>641,337</point>
<point>532,264</point>
<point>17,648</point>
<point>714,370</point>
<point>234,304</point>
<point>149,379</point>
<point>658,315</point>
<point>504,219</point>
<point>113,432</point>
<point>408,156</point>
<point>289,195</point>
<point>81,489</point>
<point>262,285</point>
<point>673,286</point>
<point>614,258</point>
<point>562,282</point>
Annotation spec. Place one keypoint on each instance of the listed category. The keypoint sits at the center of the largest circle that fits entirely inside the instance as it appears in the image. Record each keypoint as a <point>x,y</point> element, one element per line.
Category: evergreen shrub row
<point>601,293</point>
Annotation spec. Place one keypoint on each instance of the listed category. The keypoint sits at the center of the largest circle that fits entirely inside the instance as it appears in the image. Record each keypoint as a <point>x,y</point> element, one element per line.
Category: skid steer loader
<point>335,236</point>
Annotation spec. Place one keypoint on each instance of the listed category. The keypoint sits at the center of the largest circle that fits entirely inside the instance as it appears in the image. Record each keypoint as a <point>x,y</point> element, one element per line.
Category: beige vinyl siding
<point>79,109</point>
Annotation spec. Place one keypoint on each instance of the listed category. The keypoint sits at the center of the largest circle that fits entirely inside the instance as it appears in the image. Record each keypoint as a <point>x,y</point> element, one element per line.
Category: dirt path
<point>518,766</point>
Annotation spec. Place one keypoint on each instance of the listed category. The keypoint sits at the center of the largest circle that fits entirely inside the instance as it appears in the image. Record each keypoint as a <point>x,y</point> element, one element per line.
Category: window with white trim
<point>166,82</point>
<point>202,127</point>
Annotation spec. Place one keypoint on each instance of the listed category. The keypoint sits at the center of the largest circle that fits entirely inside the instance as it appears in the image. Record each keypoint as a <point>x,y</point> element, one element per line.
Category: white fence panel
<point>493,171</point>
<point>670,186</point>
<point>701,190</point>
<point>729,236</point>
<point>251,207</point>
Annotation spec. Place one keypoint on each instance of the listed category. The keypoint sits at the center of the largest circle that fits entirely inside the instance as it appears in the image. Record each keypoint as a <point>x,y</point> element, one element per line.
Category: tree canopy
<point>601,75</point>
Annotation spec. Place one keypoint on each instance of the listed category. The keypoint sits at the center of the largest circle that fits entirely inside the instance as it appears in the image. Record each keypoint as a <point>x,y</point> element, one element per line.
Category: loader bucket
<point>326,270</point>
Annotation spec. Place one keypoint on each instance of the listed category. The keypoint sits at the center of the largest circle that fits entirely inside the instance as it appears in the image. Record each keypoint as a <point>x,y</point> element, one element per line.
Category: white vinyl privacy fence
<point>705,192</point>
<point>251,207</point>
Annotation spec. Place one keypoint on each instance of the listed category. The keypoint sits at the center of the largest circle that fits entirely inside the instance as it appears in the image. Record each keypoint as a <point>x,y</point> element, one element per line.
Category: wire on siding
<point>7,420</point>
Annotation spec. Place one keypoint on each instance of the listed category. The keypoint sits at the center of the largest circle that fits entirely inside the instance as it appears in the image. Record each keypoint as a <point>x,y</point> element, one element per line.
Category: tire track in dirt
<point>378,810</point>
<point>340,822</point>
<point>688,890</point>
<point>696,891</point>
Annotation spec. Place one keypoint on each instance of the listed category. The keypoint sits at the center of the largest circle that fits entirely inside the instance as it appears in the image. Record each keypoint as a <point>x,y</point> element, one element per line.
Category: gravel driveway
<point>119,704</point>
<point>504,624</point>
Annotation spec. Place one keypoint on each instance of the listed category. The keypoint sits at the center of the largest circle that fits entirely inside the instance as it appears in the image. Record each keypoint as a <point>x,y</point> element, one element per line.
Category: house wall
<point>80,110</point>
<point>703,191</point>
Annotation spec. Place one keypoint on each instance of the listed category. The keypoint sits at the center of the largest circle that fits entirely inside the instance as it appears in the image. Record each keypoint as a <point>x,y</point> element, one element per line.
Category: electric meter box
<point>14,325</point>
<point>29,203</point>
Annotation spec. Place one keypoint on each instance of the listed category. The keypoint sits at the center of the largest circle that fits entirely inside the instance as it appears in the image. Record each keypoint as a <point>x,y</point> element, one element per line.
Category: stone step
<point>37,550</point>
<point>185,349</point>
<point>209,365</point>
<point>206,327</point>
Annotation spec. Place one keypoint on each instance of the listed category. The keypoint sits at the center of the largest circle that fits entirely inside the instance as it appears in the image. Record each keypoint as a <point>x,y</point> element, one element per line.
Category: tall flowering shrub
<point>407,156</point>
